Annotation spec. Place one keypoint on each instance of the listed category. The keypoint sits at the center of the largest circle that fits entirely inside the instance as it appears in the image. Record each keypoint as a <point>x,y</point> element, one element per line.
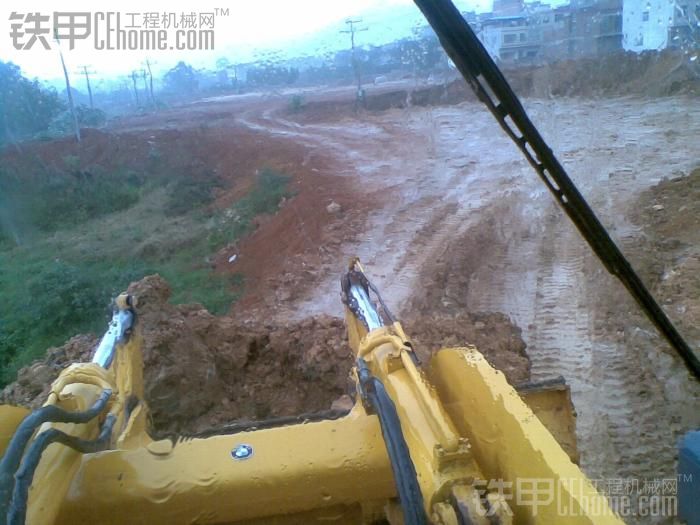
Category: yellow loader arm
<point>451,443</point>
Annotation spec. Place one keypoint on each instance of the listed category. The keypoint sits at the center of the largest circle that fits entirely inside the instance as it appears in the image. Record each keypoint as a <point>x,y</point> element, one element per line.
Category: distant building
<point>685,27</point>
<point>552,28</point>
<point>508,39</point>
<point>536,32</point>
<point>646,24</point>
<point>658,24</point>
<point>595,27</point>
<point>508,8</point>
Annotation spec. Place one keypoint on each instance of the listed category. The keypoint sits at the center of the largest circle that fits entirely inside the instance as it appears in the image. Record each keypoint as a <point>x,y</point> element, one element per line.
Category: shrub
<point>269,190</point>
<point>62,124</point>
<point>188,192</point>
<point>27,107</point>
<point>296,103</point>
<point>47,301</point>
<point>55,200</point>
<point>63,201</point>
<point>5,241</point>
<point>90,117</point>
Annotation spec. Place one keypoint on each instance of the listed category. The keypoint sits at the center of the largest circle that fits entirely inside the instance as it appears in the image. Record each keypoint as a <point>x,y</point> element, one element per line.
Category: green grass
<point>60,280</point>
<point>199,284</point>
<point>46,300</point>
<point>296,103</point>
<point>57,200</point>
<point>186,193</point>
<point>267,193</point>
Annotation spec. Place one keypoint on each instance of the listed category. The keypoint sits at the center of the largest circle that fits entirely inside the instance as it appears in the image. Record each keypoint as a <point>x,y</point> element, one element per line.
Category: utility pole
<point>87,81</point>
<point>145,84</point>
<point>136,91</point>
<point>125,88</point>
<point>352,29</point>
<point>150,77</point>
<point>76,128</point>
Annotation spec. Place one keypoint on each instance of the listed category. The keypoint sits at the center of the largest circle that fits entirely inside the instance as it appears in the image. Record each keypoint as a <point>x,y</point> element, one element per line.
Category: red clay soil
<point>298,237</point>
<point>279,259</point>
<point>202,371</point>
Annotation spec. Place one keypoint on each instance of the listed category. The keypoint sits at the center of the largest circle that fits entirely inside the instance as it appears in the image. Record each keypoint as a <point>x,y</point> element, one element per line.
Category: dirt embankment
<point>669,215</point>
<point>202,371</point>
<point>652,74</point>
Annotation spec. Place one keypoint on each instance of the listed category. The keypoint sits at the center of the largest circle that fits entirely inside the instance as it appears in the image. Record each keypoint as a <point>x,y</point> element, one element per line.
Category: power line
<point>352,30</point>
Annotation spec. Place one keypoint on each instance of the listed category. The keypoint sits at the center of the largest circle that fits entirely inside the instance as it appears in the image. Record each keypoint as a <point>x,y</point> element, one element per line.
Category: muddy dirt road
<point>464,224</point>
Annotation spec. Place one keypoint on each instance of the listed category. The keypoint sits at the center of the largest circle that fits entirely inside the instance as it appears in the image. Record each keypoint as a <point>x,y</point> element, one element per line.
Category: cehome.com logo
<point>110,30</point>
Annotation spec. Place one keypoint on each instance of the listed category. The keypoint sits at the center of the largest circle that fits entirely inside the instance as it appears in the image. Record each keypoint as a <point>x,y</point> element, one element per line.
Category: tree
<point>26,108</point>
<point>182,78</point>
<point>223,66</point>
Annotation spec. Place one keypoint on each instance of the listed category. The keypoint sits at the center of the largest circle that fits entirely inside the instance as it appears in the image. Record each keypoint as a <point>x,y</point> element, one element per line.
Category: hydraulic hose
<point>13,454</point>
<point>402,466</point>
<point>18,507</point>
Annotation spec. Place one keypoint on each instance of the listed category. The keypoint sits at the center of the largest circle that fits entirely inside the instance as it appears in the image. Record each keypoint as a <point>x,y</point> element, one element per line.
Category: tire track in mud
<point>345,142</point>
<point>540,283</point>
<point>638,428</point>
<point>430,195</point>
<point>560,323</point>
<point>575,327</point>
<point>632,399</point>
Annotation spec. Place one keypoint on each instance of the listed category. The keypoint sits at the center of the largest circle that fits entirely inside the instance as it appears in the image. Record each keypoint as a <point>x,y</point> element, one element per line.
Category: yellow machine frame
<point>472,440</point>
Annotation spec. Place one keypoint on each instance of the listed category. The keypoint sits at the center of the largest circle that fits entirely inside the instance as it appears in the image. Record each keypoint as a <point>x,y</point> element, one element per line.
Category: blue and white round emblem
<point>242,452</point>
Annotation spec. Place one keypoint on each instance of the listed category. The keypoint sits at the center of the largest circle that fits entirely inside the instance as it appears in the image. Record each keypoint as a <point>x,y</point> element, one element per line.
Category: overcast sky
<point>251,25</point>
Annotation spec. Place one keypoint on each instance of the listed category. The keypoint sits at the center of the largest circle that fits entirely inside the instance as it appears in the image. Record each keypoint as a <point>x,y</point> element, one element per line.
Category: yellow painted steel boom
<point>449,443</point>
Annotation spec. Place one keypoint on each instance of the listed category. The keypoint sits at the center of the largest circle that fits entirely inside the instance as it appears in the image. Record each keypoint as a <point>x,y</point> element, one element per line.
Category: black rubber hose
<point>17,511</point>
<point>404,470</point>
<point>13,454</point>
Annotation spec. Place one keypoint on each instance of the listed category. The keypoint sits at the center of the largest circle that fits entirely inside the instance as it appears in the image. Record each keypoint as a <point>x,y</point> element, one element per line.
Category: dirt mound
<point>34,381</point>
<point>492,333</point>
<point>651,73</point>
<point>449,93</point>
<point>446,282</point>
<point>202,371</point>
<point>669,214</point>
<point>671,209</point>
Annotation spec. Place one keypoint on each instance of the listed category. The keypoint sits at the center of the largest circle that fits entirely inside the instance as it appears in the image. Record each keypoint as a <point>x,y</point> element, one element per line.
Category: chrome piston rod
<point>119,326</point>
<point>365,306</point>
